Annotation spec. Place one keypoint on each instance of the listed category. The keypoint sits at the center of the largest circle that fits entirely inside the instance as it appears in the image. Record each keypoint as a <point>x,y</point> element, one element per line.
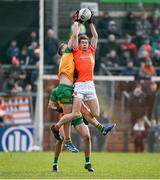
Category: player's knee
<point>60,142</point>
<point>96,114</point>
<point>87,115</point>
<point>86,137</point>
<point>76,114</point>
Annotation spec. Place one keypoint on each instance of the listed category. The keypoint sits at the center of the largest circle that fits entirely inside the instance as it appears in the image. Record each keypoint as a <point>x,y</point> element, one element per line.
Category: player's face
<point>84,44</point>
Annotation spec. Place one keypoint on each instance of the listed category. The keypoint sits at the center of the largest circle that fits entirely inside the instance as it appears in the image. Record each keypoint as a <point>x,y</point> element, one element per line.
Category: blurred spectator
<point>34,77</point>
<point>139,135</point>
<point>32,38</point>
<point>113,29</point>
<point>150,98</point>
<point>8,84</point>
<point>31,53</point>
<point>129,24</point>
<point>50,48</point>
<point>137,104</point>
<point>145,47</point>
<point>156,54</point>
<point>142,58</point>
<point>105,48</point>
<point>143,24</point>
<point>111,44</point>
<point>111,59</point>
<point>24,56</point>
<point>17,72</point>
<point>129,45</point>
<point>126,58</point>
<point>13,50</point>
<point>147,69</point>
<point>17,88</point>
<point>138,39</point>
<point>28,88</point>
<point>102,24</point>
<point>129,70</point>
<point>155,20</point>
<point>155,37</point>
<point>36,55</point>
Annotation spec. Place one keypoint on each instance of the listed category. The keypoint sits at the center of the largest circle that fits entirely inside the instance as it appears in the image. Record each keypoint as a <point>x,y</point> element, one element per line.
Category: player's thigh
<point>67,130</point>
<point>84,108</point>
<point>67,108</point>
<point>93,105</point>
<point>83,130</point>
<point>61,132</point>
<point>77,103</point>
<point>86,112</point>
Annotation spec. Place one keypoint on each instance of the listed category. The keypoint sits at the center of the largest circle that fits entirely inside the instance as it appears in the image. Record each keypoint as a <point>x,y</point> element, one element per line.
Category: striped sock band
<point>100,127</point>
<point>67,141</point>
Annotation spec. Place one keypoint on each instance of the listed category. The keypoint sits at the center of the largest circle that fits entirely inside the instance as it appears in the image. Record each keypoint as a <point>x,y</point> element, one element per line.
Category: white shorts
<point>85,90</point>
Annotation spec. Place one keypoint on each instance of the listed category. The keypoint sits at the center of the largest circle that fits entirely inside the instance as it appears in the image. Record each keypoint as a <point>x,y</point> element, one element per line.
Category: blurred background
<point>127,72</point>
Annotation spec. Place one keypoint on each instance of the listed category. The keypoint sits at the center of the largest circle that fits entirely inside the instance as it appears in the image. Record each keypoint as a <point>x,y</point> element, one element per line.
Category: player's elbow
<point>74,36</point>
<point>96,36</point>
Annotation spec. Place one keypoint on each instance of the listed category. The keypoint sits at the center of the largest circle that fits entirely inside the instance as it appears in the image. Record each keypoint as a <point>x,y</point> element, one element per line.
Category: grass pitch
<point>37,165</point>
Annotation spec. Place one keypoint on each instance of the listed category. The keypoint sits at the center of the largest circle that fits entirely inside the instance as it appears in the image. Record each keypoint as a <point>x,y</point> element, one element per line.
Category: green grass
<point>37,165</point>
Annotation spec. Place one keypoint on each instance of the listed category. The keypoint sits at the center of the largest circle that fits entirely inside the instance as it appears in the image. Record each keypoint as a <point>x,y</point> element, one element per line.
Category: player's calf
<point>55,132</point>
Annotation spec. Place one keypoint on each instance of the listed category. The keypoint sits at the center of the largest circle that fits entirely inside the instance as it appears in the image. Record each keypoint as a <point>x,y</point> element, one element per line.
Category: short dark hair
<point>83,36</point>
<point>60,49</point>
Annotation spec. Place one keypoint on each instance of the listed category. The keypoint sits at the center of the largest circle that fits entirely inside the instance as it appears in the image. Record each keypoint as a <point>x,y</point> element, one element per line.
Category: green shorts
<point>77,121</point>
<point>63,93</point>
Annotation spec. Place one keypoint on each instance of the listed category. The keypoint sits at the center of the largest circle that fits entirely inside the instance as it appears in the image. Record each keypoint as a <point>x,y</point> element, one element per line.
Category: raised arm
<point>94,39</point>
<point>73,42</point>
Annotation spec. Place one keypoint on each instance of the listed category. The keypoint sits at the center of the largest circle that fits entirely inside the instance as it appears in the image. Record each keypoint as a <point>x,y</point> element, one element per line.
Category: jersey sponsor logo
<point>84,57</point>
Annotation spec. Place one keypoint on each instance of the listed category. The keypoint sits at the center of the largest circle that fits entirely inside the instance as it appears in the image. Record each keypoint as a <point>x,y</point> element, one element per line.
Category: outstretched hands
<point>76,18</point>
<point>91,18</point>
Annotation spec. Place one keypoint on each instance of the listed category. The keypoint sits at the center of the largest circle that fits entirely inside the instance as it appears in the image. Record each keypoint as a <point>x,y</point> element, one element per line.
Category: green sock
<point>87,159</point>
<point>55,160</point>
<point>67,141</point>
<point>100,127</point>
